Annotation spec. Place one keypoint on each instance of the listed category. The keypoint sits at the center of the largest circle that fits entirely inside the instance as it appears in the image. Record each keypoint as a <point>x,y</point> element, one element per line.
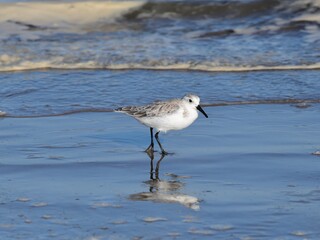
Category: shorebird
<point>173,114</point>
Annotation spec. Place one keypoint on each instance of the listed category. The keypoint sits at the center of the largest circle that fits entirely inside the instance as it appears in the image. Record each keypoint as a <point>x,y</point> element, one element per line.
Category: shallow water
<point>85,176</point>
<point>58,92</point>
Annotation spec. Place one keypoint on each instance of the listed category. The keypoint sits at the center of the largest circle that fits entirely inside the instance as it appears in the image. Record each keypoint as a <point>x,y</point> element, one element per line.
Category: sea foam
<point>12,63</point>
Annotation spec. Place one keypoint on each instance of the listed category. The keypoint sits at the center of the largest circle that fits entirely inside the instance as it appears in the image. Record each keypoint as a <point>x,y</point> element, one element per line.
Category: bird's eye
<point>190,100</point>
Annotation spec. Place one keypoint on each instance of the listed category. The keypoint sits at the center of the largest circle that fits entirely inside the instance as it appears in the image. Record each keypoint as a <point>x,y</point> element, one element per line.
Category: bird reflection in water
<point>154,175</point>
<point>165,191</point>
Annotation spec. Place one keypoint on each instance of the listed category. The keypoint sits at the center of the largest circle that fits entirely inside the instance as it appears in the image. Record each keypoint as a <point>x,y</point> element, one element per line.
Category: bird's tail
<point>118,109</point>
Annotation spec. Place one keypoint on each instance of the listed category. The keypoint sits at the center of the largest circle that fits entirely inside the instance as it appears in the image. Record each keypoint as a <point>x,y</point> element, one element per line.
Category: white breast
<point>182,118</point>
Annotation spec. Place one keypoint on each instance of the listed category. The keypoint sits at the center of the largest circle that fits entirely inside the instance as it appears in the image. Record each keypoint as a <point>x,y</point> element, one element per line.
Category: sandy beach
<point>247,172</point>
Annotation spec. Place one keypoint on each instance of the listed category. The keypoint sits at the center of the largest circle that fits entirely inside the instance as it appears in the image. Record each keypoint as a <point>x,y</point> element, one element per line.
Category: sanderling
<point>174,114</point>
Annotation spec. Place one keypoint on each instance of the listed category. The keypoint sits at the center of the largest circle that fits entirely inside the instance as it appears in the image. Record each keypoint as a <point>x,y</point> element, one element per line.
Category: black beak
<point>201,110</point>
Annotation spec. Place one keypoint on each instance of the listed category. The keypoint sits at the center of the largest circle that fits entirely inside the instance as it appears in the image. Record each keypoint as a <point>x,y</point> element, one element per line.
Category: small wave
<point>70,112</point>
<point>308,10</point>
<point>20,92</point>
<point>213,67</point>
<point>12,63</point>
<point>202,9</point>
<point>299,103</point>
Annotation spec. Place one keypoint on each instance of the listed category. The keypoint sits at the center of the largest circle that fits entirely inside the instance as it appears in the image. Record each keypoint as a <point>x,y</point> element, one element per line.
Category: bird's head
<point>194,101</point>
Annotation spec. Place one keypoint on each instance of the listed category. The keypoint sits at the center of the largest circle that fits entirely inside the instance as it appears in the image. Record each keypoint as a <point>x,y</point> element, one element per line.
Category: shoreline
<point>298,103</point>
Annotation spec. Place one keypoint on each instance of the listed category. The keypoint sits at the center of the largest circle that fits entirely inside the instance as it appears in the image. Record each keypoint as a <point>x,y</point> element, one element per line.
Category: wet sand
<point>247,172</point>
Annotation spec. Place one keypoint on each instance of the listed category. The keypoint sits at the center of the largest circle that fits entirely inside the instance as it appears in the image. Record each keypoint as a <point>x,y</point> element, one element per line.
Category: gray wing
<point>134,111</point>
<point>156,109</point>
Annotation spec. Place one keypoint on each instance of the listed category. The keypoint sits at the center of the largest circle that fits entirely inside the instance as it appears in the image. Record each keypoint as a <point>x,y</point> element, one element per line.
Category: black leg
<point>150,154</point>
<point>150,148</point>
<point>162,150</point>
<point>158,166</point>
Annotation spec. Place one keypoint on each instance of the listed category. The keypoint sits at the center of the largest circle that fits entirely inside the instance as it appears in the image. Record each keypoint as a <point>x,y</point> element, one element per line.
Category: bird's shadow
<point>164,191</point>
